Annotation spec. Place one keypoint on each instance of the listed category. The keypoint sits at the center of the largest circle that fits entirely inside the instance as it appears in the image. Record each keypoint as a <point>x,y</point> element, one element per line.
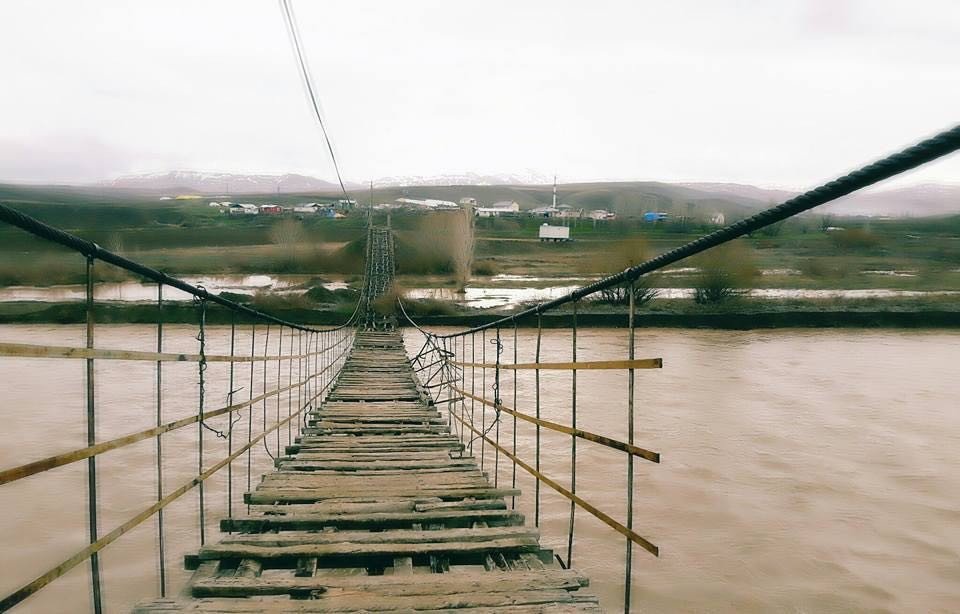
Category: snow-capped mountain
<point>234,183</point>
<point>222,183</point>
<point>528,177</point>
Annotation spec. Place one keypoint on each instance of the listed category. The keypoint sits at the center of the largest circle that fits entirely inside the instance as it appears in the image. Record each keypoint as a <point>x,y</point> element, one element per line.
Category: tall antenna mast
<point>554,191</point>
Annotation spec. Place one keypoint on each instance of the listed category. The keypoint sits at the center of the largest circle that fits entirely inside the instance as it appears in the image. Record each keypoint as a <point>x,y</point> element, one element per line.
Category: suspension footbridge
<point>397,487</point>
<point>375,495</point>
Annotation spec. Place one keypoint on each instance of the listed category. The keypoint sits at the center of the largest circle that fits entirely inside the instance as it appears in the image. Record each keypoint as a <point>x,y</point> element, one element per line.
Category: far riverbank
<point>742,315</point>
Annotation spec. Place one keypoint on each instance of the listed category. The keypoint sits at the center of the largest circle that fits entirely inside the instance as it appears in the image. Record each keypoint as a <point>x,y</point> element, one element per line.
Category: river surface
<point>498,291</point>
<point>802,471</point>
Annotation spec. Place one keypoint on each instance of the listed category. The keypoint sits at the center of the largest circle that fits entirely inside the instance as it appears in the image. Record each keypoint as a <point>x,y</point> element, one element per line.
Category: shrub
<point>643,293</point>
<point>387,305</point>
<point>854,239</point>
<point>320,294</point>
<point>725,272</point>
<point>485,267</point>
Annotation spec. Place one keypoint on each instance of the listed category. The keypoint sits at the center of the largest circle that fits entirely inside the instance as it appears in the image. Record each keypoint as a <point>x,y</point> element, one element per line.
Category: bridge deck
<point>375,509</point>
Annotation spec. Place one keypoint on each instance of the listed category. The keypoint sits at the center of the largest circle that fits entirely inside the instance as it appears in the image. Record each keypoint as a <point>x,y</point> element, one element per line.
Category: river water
<point>802,471</point>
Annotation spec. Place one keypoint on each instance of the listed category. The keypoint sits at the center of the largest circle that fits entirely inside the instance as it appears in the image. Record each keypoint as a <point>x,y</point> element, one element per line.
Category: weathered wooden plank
<point>380,537</point>
<point>243,606</point>
<point>372,464</point>
<point>290,495</point>
<point>439,584</point>
<point>249,568</point>
<point>352,549</point>
<point>291,522</point>
<point>356,601</point>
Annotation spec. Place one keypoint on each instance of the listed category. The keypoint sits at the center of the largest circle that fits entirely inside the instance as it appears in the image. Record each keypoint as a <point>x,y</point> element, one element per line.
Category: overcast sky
<point>777,93</point>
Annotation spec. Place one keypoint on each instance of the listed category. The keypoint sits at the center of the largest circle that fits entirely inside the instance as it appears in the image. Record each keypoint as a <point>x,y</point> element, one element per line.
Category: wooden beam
<point>58,460</point>
<point>26,350</point>
<point>639,363</point>
<point>609,442</point>
<point>606,519</point>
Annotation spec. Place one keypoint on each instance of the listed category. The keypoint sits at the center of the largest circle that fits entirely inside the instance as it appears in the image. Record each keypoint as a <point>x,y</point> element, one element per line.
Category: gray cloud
<point>786,93</point>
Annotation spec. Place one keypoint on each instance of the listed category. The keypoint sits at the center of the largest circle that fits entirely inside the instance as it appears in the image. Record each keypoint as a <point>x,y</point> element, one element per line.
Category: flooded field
<point>137,292</point>
<point>497,291</point>
<point>801,470</point>
<point>491,297</point>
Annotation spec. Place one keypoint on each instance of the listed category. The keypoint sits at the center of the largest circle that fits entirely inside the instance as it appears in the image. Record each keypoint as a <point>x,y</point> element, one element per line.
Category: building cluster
<point>505,208</point>
<point>329,210</point>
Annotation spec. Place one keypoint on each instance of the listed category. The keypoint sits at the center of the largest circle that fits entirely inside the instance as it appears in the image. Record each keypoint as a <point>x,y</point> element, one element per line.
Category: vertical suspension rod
<point>536,483</point>
<point>233,349</point>
<point>91,440</point>
<point>631,352</point>
<point>573,438</point>
<point>161,563</point>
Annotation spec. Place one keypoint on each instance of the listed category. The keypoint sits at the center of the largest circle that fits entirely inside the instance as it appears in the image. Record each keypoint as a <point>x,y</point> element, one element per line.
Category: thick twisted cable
<point>92,250</point>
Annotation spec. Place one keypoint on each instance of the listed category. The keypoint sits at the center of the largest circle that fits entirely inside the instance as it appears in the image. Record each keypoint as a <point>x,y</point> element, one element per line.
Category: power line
<point>294,35</point>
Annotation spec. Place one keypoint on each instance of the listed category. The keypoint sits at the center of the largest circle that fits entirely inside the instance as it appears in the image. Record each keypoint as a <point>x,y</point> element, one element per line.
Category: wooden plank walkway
<point>374,509</point>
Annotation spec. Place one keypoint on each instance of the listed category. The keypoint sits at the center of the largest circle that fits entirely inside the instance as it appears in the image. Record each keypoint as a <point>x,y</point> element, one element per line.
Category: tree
<point>288,234</point>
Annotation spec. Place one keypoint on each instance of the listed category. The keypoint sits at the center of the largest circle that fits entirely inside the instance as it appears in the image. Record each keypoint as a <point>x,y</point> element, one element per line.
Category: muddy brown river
<point>802,470</point>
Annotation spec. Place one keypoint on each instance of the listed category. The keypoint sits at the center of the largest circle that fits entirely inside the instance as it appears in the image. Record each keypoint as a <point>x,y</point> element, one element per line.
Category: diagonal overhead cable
<point>294,35</point>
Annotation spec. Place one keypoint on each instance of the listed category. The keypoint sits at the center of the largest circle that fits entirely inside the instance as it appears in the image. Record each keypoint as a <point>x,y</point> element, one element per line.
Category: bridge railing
<point>474,373</point>
<point>274,373</point>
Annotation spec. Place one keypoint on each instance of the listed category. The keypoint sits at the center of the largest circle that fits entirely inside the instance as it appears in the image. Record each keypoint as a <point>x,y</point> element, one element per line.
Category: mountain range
<point>531,189</point>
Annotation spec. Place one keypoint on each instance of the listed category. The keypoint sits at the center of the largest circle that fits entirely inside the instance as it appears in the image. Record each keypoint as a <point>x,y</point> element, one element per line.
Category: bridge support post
<point>573,438</point>
<point>161,558</point>
<point>91,440</point>
<point>631,353</point>
<point>536,483</point>
<point>513,477</point>
<point>230,393</point>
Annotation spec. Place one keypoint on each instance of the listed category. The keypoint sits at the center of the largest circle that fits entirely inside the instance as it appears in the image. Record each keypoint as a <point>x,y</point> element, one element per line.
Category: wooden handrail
<point>609,442</point>
<point>51,462</point>
<point>639,363</point>
<point>38,583</point>
<point>26,350</point>
<point>607,520</point>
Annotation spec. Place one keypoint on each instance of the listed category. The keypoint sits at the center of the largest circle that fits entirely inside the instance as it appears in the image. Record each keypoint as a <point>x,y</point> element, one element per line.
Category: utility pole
<point>554,191</point>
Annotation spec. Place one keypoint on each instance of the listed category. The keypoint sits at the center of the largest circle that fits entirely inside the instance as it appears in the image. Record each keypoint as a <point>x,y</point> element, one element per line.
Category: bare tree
<point>288,234</point>
<point>462,233</point>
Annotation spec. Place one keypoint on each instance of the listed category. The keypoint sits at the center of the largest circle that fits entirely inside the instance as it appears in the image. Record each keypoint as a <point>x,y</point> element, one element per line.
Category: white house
<point>548,211</point>
<point>427,203</point>
<point>244,209</point>
<point>718,219</point>
<point>567,211</point>
<point>601,214</point>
